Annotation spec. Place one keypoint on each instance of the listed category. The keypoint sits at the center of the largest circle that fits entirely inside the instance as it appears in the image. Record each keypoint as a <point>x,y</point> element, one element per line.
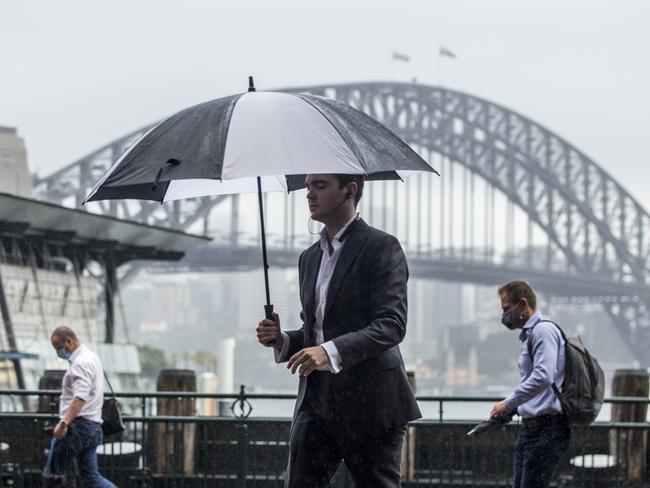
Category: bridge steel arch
<point>597,225</point>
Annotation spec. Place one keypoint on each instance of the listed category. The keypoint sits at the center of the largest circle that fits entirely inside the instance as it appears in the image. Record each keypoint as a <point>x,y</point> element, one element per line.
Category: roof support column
<point>11,338</point>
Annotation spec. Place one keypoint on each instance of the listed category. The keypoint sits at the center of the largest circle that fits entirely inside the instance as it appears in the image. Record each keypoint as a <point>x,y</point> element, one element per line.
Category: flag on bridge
<point>446,52</point>
<point>401,57</point>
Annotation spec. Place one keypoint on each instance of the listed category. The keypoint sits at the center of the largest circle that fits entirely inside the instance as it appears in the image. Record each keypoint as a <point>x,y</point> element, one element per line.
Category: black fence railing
<point>440,407</point>
<point>227,451</point>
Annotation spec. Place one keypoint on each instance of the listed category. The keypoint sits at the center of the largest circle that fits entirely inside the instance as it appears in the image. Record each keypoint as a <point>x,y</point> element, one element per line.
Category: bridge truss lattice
<point>593,230</point>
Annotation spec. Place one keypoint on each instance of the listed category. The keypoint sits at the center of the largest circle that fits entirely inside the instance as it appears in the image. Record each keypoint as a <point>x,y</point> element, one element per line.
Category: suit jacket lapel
<point>356,237</point>
<point>310,268</point>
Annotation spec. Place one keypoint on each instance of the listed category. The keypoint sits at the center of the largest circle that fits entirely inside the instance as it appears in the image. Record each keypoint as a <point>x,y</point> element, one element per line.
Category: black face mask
<point>513,320</point>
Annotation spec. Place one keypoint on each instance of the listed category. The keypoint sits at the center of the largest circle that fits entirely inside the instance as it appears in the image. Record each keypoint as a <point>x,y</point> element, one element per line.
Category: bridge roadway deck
<point>422,265</point>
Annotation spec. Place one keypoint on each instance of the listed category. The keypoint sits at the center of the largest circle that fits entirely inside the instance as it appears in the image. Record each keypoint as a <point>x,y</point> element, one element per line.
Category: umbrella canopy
<point>222,146</point>
<point>256,141</point>
<point>491,423</point>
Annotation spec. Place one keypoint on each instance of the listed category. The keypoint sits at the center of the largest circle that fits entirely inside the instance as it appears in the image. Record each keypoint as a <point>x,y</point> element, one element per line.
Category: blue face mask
<point>63,354</point>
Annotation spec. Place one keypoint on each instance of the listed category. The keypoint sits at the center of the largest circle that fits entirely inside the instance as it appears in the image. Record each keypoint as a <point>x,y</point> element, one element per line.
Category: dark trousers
<point>540,446</point>
<point>77,446</point>
<point>316,450</point>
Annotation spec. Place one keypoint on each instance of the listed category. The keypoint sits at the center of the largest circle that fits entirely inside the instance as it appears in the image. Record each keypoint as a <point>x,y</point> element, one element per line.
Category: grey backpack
<point>583,389</point>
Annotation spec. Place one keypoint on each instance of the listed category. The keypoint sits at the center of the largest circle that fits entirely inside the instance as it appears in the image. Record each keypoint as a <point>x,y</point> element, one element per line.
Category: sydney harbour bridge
<point>514,200</point>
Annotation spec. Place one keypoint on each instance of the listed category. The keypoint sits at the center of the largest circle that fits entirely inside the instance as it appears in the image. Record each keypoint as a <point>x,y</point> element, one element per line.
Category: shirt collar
<point>523,335</point>
<point>337,241</point>
<point>75,354</point>
<point>532,320</point>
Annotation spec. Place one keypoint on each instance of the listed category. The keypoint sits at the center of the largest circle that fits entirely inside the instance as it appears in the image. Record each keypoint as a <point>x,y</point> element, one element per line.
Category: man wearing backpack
<point>545,433</point>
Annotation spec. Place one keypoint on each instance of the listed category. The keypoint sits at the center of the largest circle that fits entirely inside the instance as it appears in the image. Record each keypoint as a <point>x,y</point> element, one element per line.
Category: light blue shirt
<point>534,395</point>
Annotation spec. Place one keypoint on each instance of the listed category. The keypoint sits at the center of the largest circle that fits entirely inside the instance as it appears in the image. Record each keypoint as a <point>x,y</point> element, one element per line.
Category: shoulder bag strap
<point>109,385</point>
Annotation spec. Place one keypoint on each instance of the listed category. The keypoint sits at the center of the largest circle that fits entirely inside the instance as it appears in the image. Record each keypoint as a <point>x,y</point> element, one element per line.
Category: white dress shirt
<point>85,380</point>
<point>325,272</point>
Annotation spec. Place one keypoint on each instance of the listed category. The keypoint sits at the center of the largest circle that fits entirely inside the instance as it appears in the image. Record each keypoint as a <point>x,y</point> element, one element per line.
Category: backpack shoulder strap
<point>529,340</point>
<point>531,352</point>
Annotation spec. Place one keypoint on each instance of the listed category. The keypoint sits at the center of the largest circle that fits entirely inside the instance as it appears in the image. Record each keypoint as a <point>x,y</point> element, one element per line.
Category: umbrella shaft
<point>268,307</point>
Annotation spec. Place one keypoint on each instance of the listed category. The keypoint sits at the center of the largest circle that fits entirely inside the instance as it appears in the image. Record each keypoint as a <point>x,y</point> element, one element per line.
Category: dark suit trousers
<point>317,447</point>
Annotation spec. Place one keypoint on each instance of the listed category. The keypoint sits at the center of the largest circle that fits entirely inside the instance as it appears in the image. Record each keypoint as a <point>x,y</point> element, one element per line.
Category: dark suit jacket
<point>365,316</point>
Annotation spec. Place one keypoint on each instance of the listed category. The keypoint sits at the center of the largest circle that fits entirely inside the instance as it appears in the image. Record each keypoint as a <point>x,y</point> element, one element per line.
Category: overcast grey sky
<point>77,74</point>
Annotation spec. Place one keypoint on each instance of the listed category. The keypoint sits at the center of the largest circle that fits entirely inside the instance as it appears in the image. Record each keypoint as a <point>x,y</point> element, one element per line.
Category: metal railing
<point>236,451</point>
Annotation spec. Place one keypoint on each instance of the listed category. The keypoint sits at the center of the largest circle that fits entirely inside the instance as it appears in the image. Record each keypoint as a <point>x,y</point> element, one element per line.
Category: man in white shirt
<point>354,399</point>
<point>79,430</point>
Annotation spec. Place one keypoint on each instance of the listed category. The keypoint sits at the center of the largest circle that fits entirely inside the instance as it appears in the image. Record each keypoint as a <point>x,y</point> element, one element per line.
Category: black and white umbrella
<point>491,423</point>
<point>255,142</point>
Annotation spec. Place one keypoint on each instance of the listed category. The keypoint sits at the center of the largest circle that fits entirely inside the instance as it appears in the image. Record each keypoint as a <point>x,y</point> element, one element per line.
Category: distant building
<point>14,173</point>
<point>461,359</point>
<point>284,297</point>
<point>47,257</point>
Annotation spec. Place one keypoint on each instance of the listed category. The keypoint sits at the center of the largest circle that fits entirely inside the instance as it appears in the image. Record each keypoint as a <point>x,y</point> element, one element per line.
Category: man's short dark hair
<point>518,289</point>
<point>65,333</point>
<point>347,179</point>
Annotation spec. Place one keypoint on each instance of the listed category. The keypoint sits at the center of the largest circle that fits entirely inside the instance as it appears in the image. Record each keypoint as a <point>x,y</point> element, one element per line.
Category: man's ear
<point>352,189</point>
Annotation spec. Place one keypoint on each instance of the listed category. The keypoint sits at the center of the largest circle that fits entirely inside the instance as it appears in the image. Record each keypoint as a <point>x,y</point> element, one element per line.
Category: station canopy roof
<point>38,220</point>
<point>15,355</point>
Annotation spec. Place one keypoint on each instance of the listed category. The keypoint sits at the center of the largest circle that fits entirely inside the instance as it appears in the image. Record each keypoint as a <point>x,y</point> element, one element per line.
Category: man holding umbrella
<point>354,399</point>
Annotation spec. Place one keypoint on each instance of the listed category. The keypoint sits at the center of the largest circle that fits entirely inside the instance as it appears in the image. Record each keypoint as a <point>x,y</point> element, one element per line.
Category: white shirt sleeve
<point>82,381</point>
<point>280,355</point>
<point>335,358</point>
<point>335,365</point>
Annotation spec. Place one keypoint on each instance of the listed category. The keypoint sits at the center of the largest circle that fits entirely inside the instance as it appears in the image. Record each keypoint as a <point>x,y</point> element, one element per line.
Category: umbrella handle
<point>268,311</point>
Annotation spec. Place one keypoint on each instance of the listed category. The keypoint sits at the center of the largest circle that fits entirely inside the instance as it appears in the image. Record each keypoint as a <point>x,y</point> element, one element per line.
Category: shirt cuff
<point>335,358</point>
<point>81,392</point>
<point>511,402</point>
<point>280,355</point>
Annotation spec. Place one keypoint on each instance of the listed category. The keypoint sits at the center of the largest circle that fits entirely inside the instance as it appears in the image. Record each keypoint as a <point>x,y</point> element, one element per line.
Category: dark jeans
<point>540,448</point>
<point>79,446</point>
<point>316,450</point>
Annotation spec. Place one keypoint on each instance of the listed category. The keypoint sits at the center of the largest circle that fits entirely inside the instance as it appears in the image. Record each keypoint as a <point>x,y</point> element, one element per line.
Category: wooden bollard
<point>52,379</point>
<point>174,442</point>
<point>630,447</point>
